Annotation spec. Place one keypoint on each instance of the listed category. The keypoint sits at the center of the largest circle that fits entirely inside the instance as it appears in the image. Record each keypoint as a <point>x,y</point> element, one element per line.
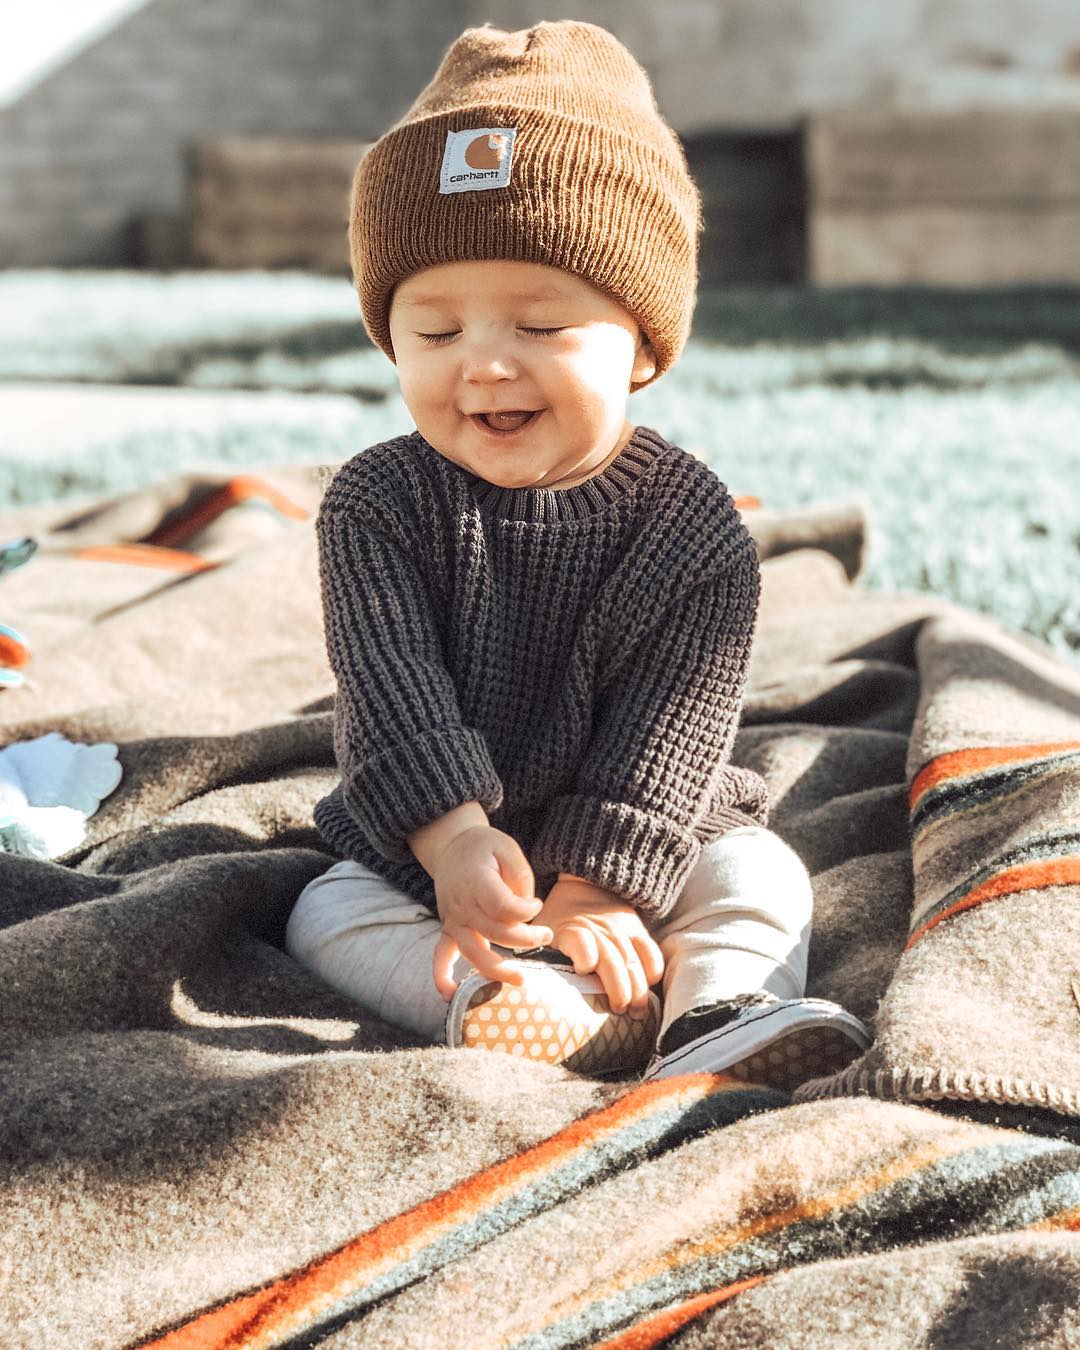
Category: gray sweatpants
<point>741,923</point>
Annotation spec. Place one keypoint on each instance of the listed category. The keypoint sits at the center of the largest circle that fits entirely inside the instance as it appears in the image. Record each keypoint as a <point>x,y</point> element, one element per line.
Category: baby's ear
<point>644,361</point>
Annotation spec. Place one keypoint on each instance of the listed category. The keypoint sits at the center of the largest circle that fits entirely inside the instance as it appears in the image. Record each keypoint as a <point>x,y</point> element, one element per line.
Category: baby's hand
<point>600,932</point>
<point>484,891</point>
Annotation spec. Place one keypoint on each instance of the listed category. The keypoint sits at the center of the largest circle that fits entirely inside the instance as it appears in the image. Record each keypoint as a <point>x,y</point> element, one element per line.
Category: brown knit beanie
<point>546,146</point>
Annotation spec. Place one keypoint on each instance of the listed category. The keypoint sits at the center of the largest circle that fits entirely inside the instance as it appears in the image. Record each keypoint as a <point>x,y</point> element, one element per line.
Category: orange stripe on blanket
<point>959,763</point>
<point>1032,876</point>
<point>653,1331</point>
<point>145,555</point>
<point>290,1304</point>
<point>1068,1219</point>
<point>814,1207</point>
<point>236,490</point>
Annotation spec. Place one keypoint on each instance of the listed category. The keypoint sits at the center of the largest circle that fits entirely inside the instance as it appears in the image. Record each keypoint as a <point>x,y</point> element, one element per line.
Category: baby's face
<point>469,338</point>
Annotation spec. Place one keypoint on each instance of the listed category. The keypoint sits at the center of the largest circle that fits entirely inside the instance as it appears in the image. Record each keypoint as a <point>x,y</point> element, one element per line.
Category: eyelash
<point>436,338</point>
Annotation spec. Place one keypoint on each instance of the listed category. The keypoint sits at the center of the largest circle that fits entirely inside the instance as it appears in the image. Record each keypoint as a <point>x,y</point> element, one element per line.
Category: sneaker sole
<point>809,1052</point>
<point>821,1043</point>
<point>563,1020</point>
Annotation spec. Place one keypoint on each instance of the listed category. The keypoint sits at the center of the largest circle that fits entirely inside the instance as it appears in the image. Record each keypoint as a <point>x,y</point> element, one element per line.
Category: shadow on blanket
<point>204,1146</point>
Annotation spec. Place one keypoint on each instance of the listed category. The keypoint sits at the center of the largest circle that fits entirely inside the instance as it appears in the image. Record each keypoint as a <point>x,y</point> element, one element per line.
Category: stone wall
<point>100,143</point>
<point>764,64</point>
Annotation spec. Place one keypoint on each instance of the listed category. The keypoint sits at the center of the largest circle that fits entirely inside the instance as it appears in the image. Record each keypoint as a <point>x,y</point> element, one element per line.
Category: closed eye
<point>435,338</point>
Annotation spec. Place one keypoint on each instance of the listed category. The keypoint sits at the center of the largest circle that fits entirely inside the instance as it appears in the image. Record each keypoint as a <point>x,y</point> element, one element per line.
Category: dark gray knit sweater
<point>572,659</point>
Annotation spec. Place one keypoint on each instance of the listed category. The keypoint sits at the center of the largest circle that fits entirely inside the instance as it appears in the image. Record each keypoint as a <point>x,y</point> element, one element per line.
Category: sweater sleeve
<point>405,757</point>
<point>657,764</point>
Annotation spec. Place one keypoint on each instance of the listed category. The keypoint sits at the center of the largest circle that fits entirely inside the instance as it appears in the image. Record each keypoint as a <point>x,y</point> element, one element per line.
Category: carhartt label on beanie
<point>477,159</point>
<point>543,145</point>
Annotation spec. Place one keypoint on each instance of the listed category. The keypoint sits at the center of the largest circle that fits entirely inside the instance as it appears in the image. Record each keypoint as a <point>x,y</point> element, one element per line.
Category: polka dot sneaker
<point>555,1017</point>
<point>758,1037</point>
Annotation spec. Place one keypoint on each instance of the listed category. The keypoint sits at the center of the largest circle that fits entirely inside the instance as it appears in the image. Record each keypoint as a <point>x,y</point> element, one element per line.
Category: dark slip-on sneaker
<point>761,1039</point>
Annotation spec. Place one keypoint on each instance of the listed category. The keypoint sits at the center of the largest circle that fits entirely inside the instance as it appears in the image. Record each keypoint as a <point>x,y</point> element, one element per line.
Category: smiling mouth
<point>506,423</point>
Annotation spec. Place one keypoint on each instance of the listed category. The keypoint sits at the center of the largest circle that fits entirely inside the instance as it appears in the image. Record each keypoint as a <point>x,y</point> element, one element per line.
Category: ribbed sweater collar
<point>642,450</point>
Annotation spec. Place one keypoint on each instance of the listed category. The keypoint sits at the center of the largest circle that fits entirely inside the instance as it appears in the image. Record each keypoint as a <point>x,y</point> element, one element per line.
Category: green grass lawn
<point>953,416</point>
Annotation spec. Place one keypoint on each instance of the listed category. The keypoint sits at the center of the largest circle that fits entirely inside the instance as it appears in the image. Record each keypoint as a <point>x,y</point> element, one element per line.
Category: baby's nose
<point>486,370</point>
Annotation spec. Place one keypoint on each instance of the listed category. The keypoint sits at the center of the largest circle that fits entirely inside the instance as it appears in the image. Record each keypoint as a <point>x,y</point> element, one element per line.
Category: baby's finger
<point>514,867</point>
<point>651,957</point>
<point>520,937</point>
<point>476,948</point>
<point>579,944</point>
<point>639,984</point>
<point>611,967</point>
<point>442,964</point>
<point>625,952</point>
<point>501,905</point>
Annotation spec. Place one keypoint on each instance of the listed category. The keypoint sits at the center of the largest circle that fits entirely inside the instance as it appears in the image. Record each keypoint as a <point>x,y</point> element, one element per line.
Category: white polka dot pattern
<point>559,1025</point>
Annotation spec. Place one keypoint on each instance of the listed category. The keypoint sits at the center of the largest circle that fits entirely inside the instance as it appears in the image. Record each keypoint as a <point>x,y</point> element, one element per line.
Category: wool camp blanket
<point>202,1145</point>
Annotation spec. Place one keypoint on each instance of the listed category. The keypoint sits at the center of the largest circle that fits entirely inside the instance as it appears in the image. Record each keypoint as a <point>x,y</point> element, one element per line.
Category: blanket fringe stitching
<point>930,1084</point>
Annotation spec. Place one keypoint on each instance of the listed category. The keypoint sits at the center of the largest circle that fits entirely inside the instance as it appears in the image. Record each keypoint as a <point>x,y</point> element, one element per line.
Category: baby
<point>540,614</point>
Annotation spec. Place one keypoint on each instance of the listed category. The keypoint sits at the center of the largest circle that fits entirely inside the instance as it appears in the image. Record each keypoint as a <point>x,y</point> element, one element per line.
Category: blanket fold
<point>982,1005</point>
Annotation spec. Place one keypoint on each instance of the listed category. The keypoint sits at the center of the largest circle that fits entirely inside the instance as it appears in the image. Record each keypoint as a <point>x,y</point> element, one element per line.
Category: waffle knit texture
<point>597,183</point>
<point>573,660</point>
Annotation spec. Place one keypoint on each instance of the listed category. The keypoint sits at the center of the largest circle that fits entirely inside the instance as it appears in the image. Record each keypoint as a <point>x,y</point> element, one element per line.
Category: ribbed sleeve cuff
<point>725,818</point>
<point>633,854</point>
<point>417,782</point>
